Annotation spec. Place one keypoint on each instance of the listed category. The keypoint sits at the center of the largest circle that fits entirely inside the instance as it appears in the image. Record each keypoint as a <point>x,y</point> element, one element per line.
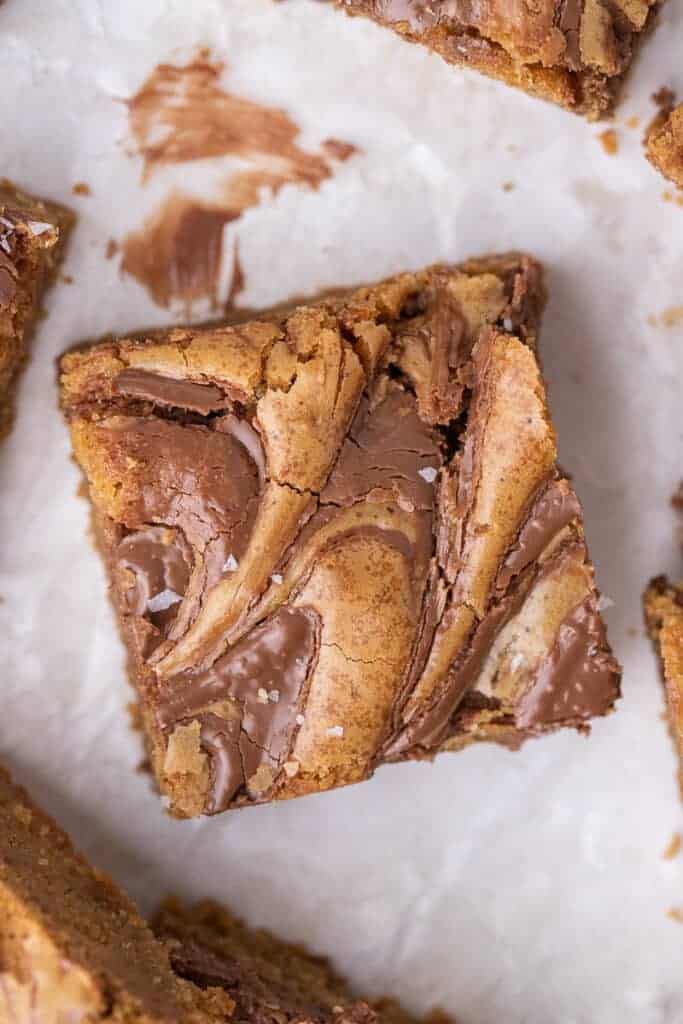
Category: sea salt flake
<point>276,578</point>
<point>300,719</point>
<point>507,324</point>
<point>291,768</point>
<point>428,473</point>
<point>335,731</point>
<point>274,696</point>
<point>262,695</point>
<point>517,661</point>
<point>38,227</point>
<point>231,564</point>
<point>163,600</point>
<point>604,603</point>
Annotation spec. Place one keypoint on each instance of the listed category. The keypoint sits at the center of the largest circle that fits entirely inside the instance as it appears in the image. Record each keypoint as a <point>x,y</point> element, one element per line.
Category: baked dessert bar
<point>73,949</point>
<point>337,535</point>
<point>573,52</point>
<point>32,235</point>
<point>663,602</point>
<point>269,980</point>
<point>664,140</point>
<point>72,946</point>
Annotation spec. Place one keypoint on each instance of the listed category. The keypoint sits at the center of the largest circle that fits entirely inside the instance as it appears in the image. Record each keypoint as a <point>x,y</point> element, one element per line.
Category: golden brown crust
<point>664,140</point>
<point>663,604</point>
<point>33,233</point>
<point>269,979</point>
<point>347,584</point>
<point>572,52</point>
<point>72,946</point>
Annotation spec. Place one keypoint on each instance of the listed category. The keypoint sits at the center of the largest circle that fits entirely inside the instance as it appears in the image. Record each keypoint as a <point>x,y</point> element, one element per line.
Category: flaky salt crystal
<point>274,696</point>
<point>335,731</point>
<point>428,474</point>
<point>262,695</point>
<point>276,578</point>
<point>300,719</point>
<point>163,600</point>
<point>604,603</point>
<point>38,227</point>
<point>230,564</point>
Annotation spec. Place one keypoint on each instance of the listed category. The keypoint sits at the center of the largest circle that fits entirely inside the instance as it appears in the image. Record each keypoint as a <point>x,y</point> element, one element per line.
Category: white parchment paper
<point>523,887</point>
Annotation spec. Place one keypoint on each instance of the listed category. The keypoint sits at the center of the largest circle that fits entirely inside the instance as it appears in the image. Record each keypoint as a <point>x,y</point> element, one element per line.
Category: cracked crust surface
<point>663,604</point>
<point>72,946</point>
<point>664,142</point>
<point>337,535</point>
<point>32,236</point>
<point>572,52</point>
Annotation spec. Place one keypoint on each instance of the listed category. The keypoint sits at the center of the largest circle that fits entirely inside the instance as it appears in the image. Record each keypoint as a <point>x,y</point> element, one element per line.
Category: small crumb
<point>230,564</point>
<point>43,861</point>
<point>672,317</point>
<point>299,719</point>
<point>262,695</point>
<point>428,474</point>
<point>633,123</point>
<point>610,141</point>
<point>335,731</point>
<point>67,279</point>
<point>673,847</point>
<point>508,186</point>
<point>291,768</point>
<point>274,696</point>
<point>144,767</point>
<point>664,98</point>
<point>675,914</point>
<point>632,631</point>
<point>81,189</point>
<point>667,196</point>
<point>276,578</point>
<point>112,249</point>
<point>677,498</point>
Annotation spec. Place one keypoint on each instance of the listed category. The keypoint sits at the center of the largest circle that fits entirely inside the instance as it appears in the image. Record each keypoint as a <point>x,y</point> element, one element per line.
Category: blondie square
<point>663,602</point>
<point>72,946</point>
<point>32,236</point>
<point>337,535</point>
<point>572,52</point>
<point>664,140</point>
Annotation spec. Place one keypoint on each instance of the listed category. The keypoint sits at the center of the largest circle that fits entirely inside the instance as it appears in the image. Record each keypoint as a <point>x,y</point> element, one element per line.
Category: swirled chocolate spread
<point>338,536</point>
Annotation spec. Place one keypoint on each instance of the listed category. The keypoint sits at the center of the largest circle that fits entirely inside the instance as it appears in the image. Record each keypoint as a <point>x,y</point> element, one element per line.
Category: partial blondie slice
<point>72,946</point>
<point>663,603</point>
<point>32,235</point>
<point>664,139</point>
<point>337,535</point>
<point>269,980</point>
<point>572,52</point>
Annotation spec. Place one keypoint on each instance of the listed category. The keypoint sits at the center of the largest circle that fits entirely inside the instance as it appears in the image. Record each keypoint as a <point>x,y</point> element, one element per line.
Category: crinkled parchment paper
<point>523,887</point>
